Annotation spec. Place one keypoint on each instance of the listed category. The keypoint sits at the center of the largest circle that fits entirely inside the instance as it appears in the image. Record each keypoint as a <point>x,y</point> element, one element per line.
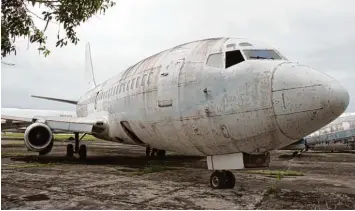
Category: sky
<point>318,33</point>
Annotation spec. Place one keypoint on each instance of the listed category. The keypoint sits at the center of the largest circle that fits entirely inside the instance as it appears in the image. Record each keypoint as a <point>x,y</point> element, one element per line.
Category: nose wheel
<point>222,180</point>
<point>80,149</point>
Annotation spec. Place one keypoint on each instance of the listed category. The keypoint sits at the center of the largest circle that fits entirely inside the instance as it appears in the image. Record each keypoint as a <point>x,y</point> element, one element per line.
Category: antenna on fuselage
<point>89,70</point>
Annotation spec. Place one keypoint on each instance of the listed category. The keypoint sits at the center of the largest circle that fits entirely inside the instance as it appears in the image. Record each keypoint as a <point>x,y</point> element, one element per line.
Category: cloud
<point>318,33</point>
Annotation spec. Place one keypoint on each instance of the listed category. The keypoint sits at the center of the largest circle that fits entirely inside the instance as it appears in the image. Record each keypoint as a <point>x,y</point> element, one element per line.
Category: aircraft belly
<point>215,135</point>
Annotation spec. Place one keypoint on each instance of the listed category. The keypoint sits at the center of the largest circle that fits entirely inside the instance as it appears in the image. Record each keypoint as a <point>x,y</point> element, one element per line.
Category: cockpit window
<point>233,58</point>
<point>261,54</point>
<point>215,60</point>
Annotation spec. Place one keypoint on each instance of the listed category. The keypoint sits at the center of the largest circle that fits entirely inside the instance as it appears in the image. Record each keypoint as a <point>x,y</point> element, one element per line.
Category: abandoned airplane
<point>229,99</point>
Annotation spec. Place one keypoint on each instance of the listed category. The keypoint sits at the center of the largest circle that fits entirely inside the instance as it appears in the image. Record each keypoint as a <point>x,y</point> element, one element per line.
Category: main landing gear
<point>153,152</point>
<point>222,180</point>
<point>81,150</point>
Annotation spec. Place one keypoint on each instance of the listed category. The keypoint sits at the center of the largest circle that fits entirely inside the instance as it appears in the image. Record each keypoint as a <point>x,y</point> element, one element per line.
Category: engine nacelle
<point>39,137</point>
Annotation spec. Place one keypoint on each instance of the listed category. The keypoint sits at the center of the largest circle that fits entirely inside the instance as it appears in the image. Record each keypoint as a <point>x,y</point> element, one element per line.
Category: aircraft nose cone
<point>305,100</point>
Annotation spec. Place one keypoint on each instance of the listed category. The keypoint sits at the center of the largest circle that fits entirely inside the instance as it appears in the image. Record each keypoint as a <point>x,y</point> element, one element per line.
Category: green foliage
<point>17,20</point>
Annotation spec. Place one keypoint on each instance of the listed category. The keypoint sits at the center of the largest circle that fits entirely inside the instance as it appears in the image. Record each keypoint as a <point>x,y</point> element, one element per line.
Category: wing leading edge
<point>74,124</point>
<point>70,124</point>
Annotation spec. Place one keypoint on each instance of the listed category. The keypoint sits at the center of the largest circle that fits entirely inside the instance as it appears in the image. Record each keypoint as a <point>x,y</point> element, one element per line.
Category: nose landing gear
<point>222,180</point>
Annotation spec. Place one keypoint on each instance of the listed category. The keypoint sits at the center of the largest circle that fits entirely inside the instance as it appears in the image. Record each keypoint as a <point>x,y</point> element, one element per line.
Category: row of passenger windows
<point>125,86</point>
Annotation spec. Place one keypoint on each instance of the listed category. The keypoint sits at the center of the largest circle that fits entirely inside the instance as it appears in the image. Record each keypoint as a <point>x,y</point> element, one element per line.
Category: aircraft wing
<point>69,124</point>
<point>16,118</point>
<point>11,122</point>
<point>74,124</point>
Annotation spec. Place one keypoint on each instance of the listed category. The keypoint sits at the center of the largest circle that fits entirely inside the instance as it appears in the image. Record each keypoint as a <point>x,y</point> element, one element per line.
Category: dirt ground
<point>119,176</point>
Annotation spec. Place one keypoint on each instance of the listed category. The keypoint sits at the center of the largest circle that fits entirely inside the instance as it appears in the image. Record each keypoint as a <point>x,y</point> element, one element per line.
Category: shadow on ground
<point>125,161</point>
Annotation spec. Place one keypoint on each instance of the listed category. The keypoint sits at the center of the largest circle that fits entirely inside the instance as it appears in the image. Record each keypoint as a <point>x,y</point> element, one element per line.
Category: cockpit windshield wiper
<point>260,57</point>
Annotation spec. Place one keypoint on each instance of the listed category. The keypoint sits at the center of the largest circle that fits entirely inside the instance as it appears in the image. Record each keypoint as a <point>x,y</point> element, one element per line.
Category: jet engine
<point>39,138</point>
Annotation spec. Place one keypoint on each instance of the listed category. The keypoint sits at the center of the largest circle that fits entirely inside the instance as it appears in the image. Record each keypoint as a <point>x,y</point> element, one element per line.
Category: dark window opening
<point>233,58</point>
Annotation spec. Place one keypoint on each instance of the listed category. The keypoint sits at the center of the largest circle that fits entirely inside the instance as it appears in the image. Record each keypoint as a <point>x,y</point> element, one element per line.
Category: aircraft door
<point>168,97</point>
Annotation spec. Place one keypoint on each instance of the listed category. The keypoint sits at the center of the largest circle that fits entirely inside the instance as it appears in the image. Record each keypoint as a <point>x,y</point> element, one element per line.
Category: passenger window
<point>233,58</point>
<point>215,60</point>
<point>138,81</point>
<point>132,85</point>
<point>150,77</point>
<point>129,82</point>
<point>143,79</point>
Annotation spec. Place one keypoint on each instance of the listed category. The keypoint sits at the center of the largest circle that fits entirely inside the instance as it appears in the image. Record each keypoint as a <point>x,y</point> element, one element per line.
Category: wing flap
<point>16,118</point>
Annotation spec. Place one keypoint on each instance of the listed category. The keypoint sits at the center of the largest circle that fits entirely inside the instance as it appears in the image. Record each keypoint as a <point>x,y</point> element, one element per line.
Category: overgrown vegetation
<point>14,154</point>
<point>27,165</point>
<point>17,21</point>
<point>279,174</point>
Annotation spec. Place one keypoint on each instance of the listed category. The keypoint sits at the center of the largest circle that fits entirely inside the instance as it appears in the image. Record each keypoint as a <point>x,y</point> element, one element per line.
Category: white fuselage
<point>186,100</point>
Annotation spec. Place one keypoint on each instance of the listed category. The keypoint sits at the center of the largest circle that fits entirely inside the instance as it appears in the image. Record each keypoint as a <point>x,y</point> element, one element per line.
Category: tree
<point>17,21</point>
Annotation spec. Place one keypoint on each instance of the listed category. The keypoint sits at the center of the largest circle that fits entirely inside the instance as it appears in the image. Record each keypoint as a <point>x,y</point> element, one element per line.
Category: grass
<point>279,173</point>
<point>26,165</point>
<point>151,169</point>
<point>14,154</point>
<point>56,136</point>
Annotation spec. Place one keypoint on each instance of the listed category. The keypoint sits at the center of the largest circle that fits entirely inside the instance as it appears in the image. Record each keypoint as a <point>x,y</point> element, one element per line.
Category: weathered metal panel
<point>298,99</point>
<point>283,100</point>
<point>302,76</point>
<point>228,161</point>
<point>188,74</point>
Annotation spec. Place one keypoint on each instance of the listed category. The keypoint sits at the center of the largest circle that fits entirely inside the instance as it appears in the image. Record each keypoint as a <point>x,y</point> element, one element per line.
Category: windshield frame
<point>248,55</point>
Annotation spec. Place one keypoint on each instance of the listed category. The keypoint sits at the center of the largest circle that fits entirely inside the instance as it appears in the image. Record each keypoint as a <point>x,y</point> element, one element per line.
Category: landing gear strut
<point>80,149</point>
<point>147,151</point>
<point>222,180</point>
<point>151,153</point>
